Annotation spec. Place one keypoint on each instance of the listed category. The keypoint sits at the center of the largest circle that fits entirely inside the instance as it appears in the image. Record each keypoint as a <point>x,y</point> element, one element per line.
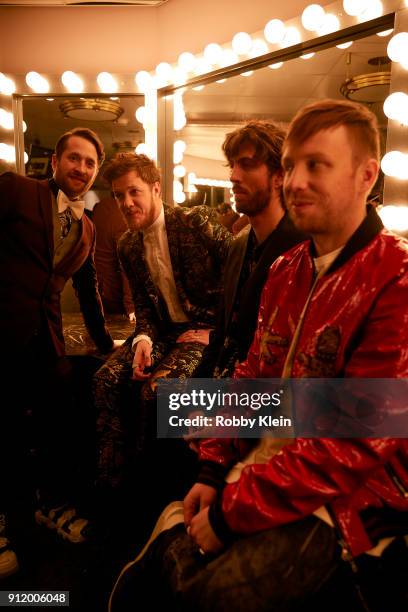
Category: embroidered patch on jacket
<point>322,363</point>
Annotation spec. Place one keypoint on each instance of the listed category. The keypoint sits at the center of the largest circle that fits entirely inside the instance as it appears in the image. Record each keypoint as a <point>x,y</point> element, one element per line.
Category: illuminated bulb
<point>106,82</point>
<point>7,86</point>
<point>198,88</point>
<point>6,119</point>
<point>143,80</point>
<point>396,106</point>
<point>202,66</point>
<point>404,62</point>
<point>395,163</point>
<point>164,71</point>
<point>259,47</point>
<point>247,74</point>
<point>177,186</point>
<point>7,152</point>
<point>313,17</point>
<point>179,171</point>
<point>374,9</point>
<point>330,24</point>
<point>180,197</point>
<point>180,121</point>
<point>292,37</point>
<point>274,31</point>
<point>397,48</point>
<point>25,157</point>
<point>24,126</point>
<point>36,82</point>
<point>229,57</point>
<point>177,156</point>
<point>221,81</point>
<point>395,218</point>
<point>213,53</point>
<point>72,82</point>
<point>355,7</point>
<point>345,45</point>
<point>186,61</point>
<point>140,114</point>
<point>142,149</point>
<point>307,56</point>
<point>275,66</point>
<point>385,33</point>
<point>242,43</point>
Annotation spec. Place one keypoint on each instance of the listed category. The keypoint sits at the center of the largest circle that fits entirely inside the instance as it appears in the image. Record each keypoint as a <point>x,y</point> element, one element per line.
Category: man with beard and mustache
<point>45,240</point>
<point>253,153</point>
<point>173,258</point>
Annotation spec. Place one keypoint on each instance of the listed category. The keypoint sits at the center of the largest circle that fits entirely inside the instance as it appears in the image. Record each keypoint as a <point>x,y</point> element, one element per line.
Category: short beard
<point>259,201</point>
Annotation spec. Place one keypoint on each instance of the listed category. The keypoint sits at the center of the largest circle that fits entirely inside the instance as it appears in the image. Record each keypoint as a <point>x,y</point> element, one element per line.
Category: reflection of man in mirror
<point>254,156</point>
<point>173,258</point>
<point>45,240</point>
<point>323,512</point>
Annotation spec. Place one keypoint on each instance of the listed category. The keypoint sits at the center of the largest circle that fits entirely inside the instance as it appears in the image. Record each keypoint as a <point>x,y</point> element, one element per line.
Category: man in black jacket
<point>254,156</point>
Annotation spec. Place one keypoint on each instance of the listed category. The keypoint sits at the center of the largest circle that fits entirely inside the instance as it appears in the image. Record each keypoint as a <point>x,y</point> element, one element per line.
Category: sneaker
<point>8,559</point>
<point>172,515</point>
<point>65,521</point>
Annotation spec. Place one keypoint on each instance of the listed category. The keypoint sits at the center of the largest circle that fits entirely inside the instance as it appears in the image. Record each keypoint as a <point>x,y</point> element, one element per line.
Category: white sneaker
<point>172,515</point>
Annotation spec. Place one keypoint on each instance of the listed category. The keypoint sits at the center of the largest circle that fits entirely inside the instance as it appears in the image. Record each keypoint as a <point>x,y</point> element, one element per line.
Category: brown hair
<point>360,122</point>
<point>85,133</point>
<point>266,137</point>
<point>123,163</point>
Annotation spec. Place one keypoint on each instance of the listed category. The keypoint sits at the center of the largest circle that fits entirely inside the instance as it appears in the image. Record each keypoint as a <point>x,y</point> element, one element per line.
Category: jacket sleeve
<point>311,472</point>
<point>86,288</point>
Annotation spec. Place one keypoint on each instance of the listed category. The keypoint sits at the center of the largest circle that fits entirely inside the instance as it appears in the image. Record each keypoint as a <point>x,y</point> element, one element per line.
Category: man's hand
<point>141,360</point>
<point>195,335</point>
<point>199,497</point>
<point>203,534</point>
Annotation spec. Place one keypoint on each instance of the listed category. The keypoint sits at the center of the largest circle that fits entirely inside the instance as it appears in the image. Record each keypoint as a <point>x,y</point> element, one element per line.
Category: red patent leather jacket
<point>356,325</point>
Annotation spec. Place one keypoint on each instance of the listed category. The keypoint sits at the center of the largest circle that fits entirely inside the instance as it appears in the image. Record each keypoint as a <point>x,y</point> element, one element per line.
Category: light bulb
<point>142,149</point>
<point>248,73</point>
<point>292,37</point>
<point>37,82</point>
<point>374,9</point>
<point>307,56</point>
<point>396,105</point>
<point>385,33</point>
<point>180,197</point>
<point>397,48</point>
<point>229,57</point>
<point>143,80</point>
<point>313,17</point>
<point>6,119</point>
<point>242,43</point>
<point>186,61</point>
<point>345,45</point>
<point>395,163</point>
<point>213,53</point>
<point>395,218</point>
<point>276,66</point>
<point>72,82</point>
<point>259,47</point>
<point>274,31</point>
<point>179,171</point>
<point>330,24</point>
<point>140,114</point>
<point>7,86</point>
<point>106,82</point>
<point>164,71</point>
<point>355,7</point>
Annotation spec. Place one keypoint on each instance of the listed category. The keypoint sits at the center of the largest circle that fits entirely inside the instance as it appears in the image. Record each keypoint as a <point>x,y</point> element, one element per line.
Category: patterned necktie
<point>66,222</point>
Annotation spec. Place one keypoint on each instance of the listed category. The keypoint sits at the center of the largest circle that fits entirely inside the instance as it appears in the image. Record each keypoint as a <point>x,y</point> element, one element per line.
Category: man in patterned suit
<point>173,258</point>
<point>46,239</point>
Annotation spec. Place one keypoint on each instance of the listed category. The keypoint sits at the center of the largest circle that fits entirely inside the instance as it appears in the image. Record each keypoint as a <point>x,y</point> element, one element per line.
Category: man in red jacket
<point>333,307</point>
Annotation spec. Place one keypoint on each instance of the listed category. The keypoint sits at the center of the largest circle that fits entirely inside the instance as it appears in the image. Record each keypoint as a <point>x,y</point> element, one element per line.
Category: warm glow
<point>397,48</point>
<point>313,17</point>
<point>143,80</point>
<point>180,197</point>
<point>345,45</point>
<point>72,82</point>
<point>374,9</point>
<point>274,31</point>
<point>8,153</point>
<point>229,57</point>
<point>164,71</point>
<point>307,56</point>
<point>6,119</point>
<point>355,7</point>
<point>276,66</point>
<point>140,114</point>
<point>259,47</point>
<point>395,218</point>
<point>186,61</point>
<point>107,83</point>
<point>213,53</point>
<point>242,43</point>
<point>7,86</point>
<point>395,164</point>
<point>292,37</point>
<point>385,33</point>
<point>142,149</point>
<point>179,171</point>
<point>37,82</point>
<point>247,74</point>
<point>330,24</point>
<point>396,107</point>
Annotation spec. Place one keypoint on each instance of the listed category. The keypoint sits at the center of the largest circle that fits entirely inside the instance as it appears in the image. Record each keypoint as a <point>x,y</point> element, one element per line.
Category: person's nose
<point>127,201</point>
<point>296,179</point>
<point>235,174</point>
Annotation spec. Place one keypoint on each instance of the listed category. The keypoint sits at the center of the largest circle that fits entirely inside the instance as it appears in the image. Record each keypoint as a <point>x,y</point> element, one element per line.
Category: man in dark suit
<point>45,240</point>
<point>173,258</point>
<point>253,153</point>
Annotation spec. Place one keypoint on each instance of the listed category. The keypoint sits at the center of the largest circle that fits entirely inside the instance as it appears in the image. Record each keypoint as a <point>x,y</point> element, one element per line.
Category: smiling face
<point>139,202</point>
<point>76,169</point>
<point>326,185</point>
<point>251,182</point>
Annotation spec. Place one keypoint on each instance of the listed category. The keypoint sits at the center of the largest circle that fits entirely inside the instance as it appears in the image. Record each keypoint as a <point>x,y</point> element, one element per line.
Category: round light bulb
<point>142,149</point>
<point>355,7</point>
<point>106,82</point>
<point>248,73</point>
<point>229,57</point>
<point>179,171</point>
<point>242,43</point>
<point>259,47</point>
<point>186,61</point>
<point>140,114</point>
<point>143,80</point>
<point>24,126</point>
<point>180,197</point>
<point>274,31</point>
<point>25,157</point>
<point>72,82</point>
<point>313,17</point>
<point>395,164</point>
<point>345,45</point>
<point>202,66</point>
<point>7,152</point>
<point>164,71</point>
<point>292,37</point>
<point>213,53</point>
<point>330,24</point>
<point>385,33</point>
<point>397,48</point>
<point>395,218</point>
<point>180,145</point>
<point>374,9</point>
<point>177,186</point>
<point>307,56</point>
<point>6,119</point>
<point>7,86</point>
<point>37,82</point>
<point>276,66</point>
<point>396,105</point>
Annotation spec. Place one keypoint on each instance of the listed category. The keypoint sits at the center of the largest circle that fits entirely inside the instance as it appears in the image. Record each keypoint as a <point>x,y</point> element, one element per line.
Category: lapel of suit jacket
<point>233,272</point>
<point>80,251</point>
<point>139,264</point>
<point>174,236</point>
<point>46,203</point>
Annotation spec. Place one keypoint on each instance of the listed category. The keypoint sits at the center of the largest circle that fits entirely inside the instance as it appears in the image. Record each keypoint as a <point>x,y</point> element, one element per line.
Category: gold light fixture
<point>91,109</point>
<point>368,88</point>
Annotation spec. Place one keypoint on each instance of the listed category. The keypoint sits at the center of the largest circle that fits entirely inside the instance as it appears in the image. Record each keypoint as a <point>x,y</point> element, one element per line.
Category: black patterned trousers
<point>126,409</point>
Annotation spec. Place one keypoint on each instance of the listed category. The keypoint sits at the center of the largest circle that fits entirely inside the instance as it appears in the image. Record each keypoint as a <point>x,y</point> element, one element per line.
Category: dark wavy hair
<point>123,163</point>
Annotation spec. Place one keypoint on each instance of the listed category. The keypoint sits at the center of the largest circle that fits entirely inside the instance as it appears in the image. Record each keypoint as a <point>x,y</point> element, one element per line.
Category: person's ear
<point>369,174</point>
<point>53,162</point>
